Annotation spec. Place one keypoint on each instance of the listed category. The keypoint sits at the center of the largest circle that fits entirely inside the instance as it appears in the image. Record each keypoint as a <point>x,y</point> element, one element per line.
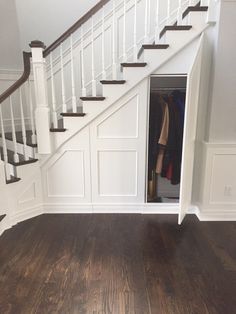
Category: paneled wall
<point>105,163</point>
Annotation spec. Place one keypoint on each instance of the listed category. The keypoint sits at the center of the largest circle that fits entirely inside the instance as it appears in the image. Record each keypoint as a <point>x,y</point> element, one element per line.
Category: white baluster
<point>135,49</point>
<point>23,128</point>
<point>73,99</point>
<point>114,70</point>
<point>157,21</point>
<point>179,13</point>
<point>63,95</point>
<point>103,45</point>
<point>82,64</point>
<point>94,91</point>
<point>4,147</point>
<point>146,21</point>
<point>54,105</point>
<point>168,11</point>
<point>124,33</point>
<point>13,129</point>
<point>32,121</point>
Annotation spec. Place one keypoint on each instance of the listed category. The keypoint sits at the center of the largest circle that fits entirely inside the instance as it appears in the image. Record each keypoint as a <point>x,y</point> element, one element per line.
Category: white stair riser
<point>110,91</point>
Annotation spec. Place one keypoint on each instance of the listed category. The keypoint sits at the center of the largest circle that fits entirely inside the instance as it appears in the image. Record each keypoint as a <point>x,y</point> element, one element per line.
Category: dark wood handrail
<point>21,80</point>
<point>75,26</point>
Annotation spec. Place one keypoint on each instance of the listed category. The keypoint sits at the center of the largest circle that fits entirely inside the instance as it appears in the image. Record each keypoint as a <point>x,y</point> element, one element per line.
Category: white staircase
<point>100,60</point>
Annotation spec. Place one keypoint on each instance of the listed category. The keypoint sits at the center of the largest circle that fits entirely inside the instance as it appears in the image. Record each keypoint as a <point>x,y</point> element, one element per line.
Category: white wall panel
<point>113,167</point>
<point>118,150</point>
<point>122,123</point>
<point>67,181</point>
<point>66,176</point>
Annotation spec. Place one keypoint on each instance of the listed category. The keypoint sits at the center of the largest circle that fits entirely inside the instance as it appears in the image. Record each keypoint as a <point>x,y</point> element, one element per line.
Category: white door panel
<point>190,124</point>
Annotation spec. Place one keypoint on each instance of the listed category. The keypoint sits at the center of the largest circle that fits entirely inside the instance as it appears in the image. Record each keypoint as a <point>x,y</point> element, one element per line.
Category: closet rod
<point>167,88</point>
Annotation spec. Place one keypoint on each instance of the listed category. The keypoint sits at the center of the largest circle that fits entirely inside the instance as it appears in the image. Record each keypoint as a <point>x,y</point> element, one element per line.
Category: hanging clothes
<point>166,123</point>
<point>157,106</point>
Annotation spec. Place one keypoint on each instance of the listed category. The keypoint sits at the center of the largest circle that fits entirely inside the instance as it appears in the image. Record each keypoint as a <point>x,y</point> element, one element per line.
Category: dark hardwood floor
<point>118,264</point>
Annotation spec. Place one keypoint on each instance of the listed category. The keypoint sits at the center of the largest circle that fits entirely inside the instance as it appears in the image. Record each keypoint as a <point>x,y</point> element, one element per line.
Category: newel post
<point>42,112</point>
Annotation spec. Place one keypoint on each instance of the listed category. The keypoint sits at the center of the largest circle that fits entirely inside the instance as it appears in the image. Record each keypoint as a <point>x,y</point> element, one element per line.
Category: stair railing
<point>16,118</point>
<point>93,48</point>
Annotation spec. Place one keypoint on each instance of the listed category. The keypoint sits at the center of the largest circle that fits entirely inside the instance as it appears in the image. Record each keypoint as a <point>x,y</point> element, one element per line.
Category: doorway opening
<point>165,138</point>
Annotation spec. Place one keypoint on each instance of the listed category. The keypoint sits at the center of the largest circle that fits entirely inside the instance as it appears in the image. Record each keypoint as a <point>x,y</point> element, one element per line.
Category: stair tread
<point>12,180</point>
<point>19,137</point>
<point>57,130</point>
<point>73,114</point>
<point>2,217</point>
<point>133,64</point>
<point>194,9</point>
<point>155,46</point>
<point>175,28</point>
<point>112,82</point>
<point>92,98</point>
<point>21,162</point>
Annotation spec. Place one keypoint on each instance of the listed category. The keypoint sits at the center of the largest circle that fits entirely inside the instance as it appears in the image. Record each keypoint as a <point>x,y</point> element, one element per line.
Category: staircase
<point>88,69</point>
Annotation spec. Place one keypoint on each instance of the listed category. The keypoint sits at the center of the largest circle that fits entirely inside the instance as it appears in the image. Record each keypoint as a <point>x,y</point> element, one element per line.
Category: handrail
<point>21,80</point>
<point>74,27</point>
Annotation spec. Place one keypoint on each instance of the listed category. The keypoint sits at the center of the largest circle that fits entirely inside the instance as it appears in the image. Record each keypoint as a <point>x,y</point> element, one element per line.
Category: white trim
<point>90,208</point>
<point>27,214</point>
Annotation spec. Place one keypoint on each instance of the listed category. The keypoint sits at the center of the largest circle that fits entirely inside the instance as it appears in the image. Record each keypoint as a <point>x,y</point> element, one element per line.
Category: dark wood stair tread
<point>73,114</point>
<point>133,64</point>
<point>92,98</point>
<point>2,217</point>
<point>12,180</point>
<point>155,46</point>
<point>19,138</point>
<point>175,28</point>
<point>54,130</point>
<point>22,161</point>
<point>110,82</point>
<point>194,9</point>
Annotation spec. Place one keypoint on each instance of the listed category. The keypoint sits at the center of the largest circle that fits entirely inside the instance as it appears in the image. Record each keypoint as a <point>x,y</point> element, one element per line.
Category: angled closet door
<point>190,125</point>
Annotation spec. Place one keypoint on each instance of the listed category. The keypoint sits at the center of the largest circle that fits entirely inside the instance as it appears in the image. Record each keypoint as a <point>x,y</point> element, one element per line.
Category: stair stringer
<point>133,76</point>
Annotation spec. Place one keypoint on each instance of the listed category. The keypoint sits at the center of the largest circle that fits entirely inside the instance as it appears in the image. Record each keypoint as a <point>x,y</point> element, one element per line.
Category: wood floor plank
<point>118,264</point>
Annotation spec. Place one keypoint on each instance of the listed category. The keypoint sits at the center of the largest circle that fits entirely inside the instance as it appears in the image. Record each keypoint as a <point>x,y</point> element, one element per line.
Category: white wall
<point>47,20</point>
<point>223,108</point>
<point>10,52</point>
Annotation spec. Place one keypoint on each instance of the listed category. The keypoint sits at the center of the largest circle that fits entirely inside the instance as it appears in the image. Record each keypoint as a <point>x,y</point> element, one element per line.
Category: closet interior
<point>166,125</point>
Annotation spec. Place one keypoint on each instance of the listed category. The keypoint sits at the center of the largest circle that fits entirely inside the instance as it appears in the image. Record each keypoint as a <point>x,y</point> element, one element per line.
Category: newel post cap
<point>37,44</point>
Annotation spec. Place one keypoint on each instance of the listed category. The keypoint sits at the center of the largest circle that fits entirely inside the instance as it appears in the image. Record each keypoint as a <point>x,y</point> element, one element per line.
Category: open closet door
<point>190,125</point>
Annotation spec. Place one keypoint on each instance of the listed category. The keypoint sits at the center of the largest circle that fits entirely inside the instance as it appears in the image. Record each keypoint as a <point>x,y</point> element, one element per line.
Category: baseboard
<point>111,208</point>
<point>27,214</point>
<point>216,215</point>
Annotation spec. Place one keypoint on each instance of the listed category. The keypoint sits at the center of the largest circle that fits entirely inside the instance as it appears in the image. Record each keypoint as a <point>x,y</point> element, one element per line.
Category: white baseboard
<point>111,208</point>
<point>27,214</point>
<point>216,216</point>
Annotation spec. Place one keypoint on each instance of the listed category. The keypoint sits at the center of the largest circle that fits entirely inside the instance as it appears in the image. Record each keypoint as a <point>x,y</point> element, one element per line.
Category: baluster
<point>32,121</point>
<point>73,100</point>
<point>124,33</point>
<point>114,70</point>
<point>82,64</point>
<point>63,95</point>
<point>103,44</point>
<point>179,13</point>
<point>4,147</point>
<point>13,129</point>
<point>146,21</point>
<point>157,28</point>
<point>94,92</point>
<point>168,12</point>
<point>23,129</point>
<point>135,49</point>
<point>54,110</point>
